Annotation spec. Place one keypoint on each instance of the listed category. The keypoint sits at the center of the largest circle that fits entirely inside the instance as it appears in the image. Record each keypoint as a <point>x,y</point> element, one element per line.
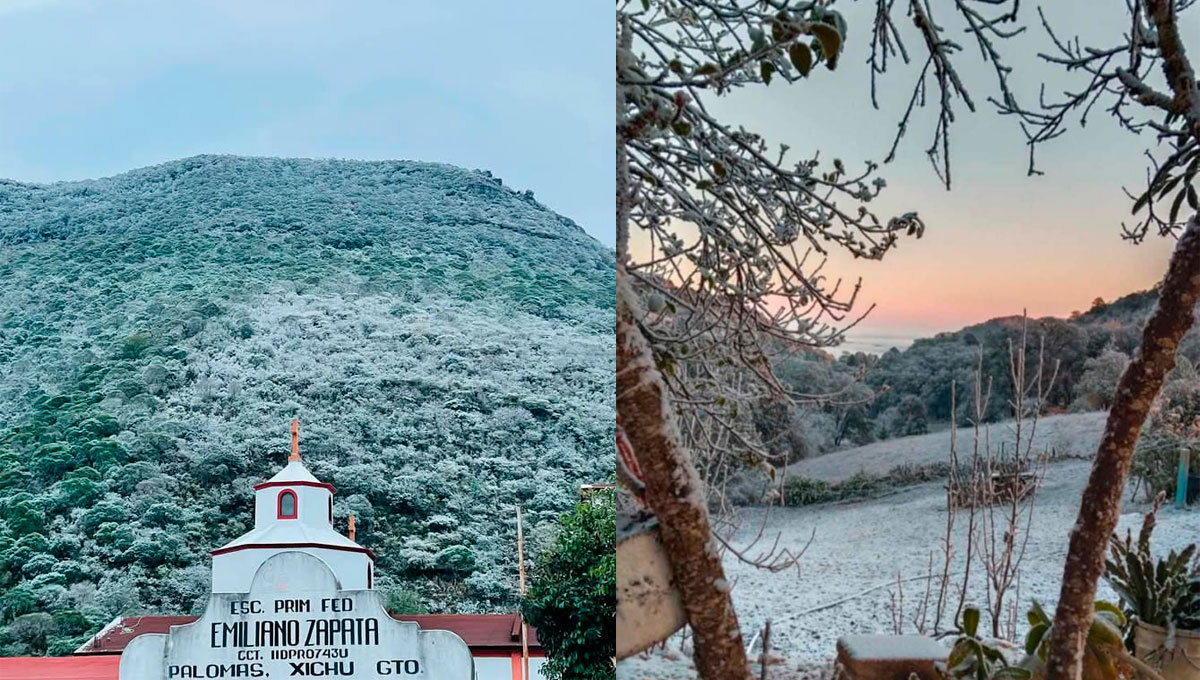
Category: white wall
<point>292,592</point>
<point>500,668</point>
<point>313,505</point>
<point>493,668</point>
<point>233,571</point>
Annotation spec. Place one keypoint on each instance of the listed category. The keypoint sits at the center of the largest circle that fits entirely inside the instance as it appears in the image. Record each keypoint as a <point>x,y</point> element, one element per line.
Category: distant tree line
<point>907,392</point>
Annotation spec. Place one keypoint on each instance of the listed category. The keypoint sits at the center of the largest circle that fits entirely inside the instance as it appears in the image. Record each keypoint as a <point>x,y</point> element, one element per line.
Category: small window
<point>287,504</point>
<point>369,577</point>
<point>331,511</point>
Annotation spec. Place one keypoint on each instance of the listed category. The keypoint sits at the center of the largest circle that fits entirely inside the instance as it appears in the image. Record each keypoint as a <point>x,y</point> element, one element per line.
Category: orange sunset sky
<point>1000,241</point>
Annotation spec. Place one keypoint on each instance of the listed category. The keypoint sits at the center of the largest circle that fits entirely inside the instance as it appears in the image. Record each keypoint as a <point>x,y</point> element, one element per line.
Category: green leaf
<point>1140,202</point>
<point>971,620</point>
<point>1175,205</point>
<point>830,39</point>
<point>1036,614</point>
<point>1102,633</point>
<point>1011,673</point>
<point>991,653</point>
<point>977,652</point>
<point>778,32</point>
<point>802,57</point>
<point>958,654</point>
<point>782,28</point>
<point>838,20</point>
<point>1170,184</point>
<point>766,69</point>
<point>1102,606</point>
<point>682,128</point>
<point>1034,637</point>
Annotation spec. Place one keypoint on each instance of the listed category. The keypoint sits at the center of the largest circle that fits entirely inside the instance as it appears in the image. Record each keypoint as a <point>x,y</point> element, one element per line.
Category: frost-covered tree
<point>1098,384</point>
<point>1148,82</point>
<point>721,241</point>
<point>719,210</point>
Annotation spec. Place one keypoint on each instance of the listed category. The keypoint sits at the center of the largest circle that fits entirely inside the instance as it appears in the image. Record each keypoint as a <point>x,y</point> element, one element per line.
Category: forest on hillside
<point>907,392</point>
<point>445,341</point>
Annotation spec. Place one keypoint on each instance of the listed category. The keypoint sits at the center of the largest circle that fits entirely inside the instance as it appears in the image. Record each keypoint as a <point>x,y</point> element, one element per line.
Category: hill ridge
<point>184,173</point>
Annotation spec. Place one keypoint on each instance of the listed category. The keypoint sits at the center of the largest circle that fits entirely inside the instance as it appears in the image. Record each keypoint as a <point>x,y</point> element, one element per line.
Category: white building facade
<point>293,597</point>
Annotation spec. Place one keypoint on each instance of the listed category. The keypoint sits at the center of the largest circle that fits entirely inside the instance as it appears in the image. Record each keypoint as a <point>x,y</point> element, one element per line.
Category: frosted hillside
<point>445,341</point>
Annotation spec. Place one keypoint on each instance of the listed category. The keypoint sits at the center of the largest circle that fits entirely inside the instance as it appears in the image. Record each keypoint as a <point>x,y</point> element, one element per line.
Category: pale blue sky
<point>90,89</point>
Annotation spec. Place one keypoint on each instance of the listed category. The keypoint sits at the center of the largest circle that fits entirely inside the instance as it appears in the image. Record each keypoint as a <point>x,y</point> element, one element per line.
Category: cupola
<point>293,511</point>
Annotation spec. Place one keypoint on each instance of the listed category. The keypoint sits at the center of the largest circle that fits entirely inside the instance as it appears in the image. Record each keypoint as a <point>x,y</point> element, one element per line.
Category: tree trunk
<point>624,197</point>
<point>1137,389</point>
<point>673,489</point>
<point>676,494</point>
<point>1101,505</point>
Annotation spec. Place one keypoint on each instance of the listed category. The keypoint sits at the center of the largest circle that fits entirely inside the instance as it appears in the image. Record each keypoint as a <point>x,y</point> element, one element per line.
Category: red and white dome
<point>293,511</point>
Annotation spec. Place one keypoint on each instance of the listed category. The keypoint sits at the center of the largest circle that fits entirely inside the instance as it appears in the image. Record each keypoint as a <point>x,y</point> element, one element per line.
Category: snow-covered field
<point>861,545</point>
<point>1069,434</point>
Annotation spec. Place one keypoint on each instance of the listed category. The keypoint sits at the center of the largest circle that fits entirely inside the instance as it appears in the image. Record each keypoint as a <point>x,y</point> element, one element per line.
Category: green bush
<point>135,346</point>
<point>404,601</point>
<point>1174,427</point>
<point>572,599</point>
<point>809,491</point>
<point>1156,462</point>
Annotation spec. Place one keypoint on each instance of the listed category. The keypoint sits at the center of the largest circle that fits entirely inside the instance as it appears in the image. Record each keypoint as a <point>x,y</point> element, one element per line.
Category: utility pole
<point>521,569</point>
<point>1181,483</point>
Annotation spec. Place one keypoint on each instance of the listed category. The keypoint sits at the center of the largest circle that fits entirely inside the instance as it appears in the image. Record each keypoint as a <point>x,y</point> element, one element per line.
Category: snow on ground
<point>1069,434</point>
<point>860,545</point>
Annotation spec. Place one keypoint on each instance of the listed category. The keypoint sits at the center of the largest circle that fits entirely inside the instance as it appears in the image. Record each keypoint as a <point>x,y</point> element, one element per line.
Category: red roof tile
<point>59,668</point>
<point>481,632</point>
<point>113,637</point>
<point>477,630</point>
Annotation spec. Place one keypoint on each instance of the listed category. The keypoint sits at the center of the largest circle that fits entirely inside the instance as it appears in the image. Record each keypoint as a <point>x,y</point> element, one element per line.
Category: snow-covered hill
<point>445,341</point>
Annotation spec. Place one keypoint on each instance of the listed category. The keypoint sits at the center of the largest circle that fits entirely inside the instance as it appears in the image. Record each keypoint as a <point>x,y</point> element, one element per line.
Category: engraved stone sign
<point>297,622</point>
